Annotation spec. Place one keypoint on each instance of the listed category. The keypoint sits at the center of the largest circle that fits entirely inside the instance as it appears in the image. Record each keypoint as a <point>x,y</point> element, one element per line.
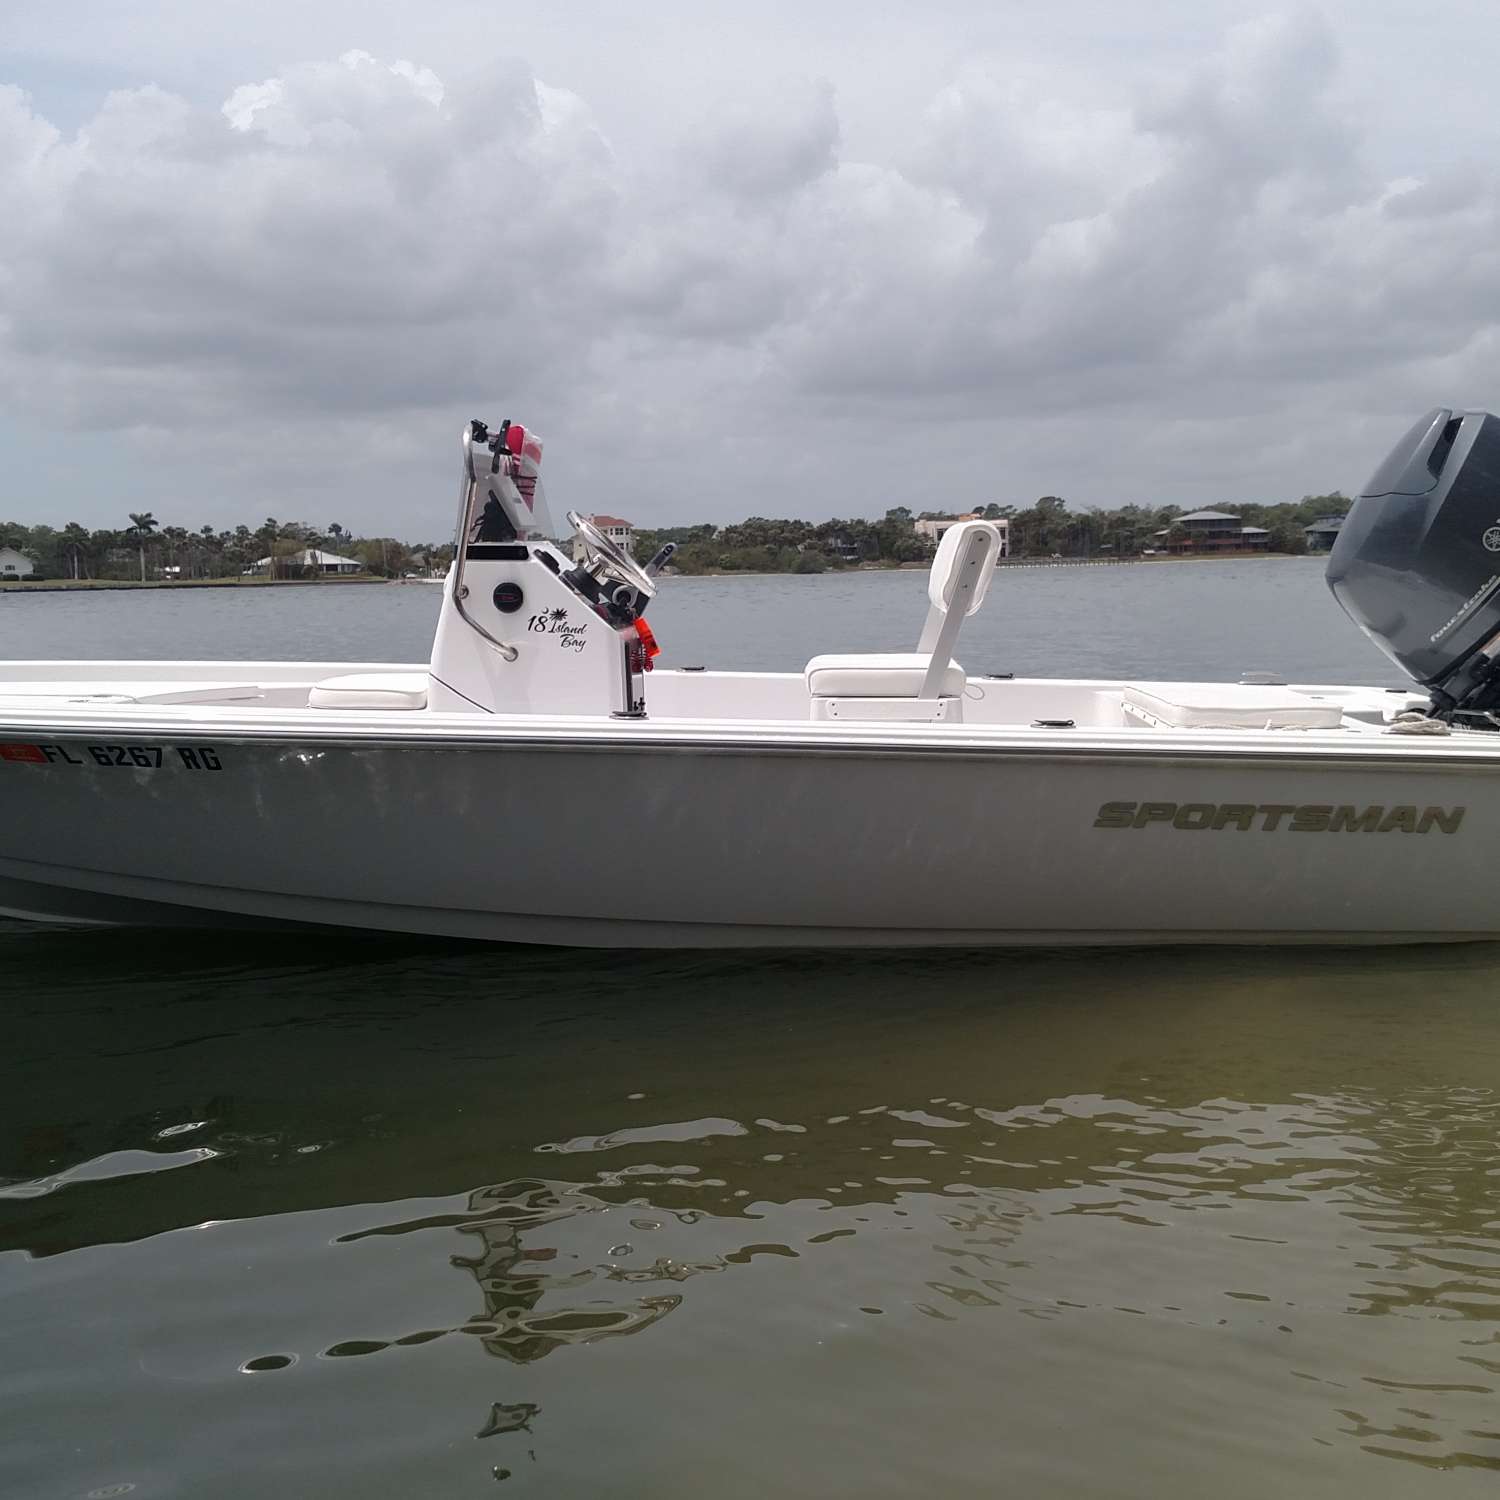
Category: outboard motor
<point>1417,562</point>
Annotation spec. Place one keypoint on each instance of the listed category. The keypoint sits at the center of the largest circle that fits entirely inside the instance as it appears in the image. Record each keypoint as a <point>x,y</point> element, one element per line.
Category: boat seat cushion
<point>880,675</point>
<point>367,690</point>
<point>1225,705</point>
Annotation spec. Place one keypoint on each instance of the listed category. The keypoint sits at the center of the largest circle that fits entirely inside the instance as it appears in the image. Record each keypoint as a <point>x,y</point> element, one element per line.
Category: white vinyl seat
<point>363,691</point>
<point>879,675</point>
<point>926,683</point>
<point>1223,705</point>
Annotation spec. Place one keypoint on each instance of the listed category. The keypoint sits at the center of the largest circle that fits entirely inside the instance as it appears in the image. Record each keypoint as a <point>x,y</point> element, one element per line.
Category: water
<point>334,1217</point>
<point>1152,620</point>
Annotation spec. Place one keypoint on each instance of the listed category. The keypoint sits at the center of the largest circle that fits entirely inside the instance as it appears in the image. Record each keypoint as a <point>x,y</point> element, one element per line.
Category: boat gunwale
<point>43,717</point>
<point>585,735</point>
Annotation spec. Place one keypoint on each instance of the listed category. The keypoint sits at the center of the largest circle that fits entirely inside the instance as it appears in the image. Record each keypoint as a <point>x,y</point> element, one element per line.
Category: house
<point>1212,531</point>
<point>1323,533</point>
<point>621,533</point>
<point>1204,530</point>
<point>310,557</point>
<point>14,564</point>
<point>934,527</point>
<point>842,546</point>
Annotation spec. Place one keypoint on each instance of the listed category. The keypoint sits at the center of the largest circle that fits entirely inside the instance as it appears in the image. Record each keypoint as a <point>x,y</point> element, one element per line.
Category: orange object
<point>648,640</point>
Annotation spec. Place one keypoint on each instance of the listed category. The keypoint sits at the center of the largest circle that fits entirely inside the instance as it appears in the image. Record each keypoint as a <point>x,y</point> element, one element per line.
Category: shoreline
<point>78,585</point>
<point>1020,562</point>
<point>81,585</point>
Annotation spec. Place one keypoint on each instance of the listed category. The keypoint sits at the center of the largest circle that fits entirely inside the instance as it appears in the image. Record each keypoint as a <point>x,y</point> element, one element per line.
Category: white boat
<point>581,798</point>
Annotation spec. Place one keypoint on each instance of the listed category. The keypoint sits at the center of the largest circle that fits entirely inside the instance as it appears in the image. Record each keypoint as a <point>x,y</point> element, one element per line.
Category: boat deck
<point>210,693</point>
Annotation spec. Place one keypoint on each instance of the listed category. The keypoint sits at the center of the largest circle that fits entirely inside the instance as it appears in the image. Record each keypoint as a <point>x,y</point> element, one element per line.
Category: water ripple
<point>966,1232</point>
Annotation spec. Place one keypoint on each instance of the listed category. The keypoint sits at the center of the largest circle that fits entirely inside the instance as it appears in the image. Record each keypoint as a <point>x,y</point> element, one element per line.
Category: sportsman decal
<point>1279,817</point>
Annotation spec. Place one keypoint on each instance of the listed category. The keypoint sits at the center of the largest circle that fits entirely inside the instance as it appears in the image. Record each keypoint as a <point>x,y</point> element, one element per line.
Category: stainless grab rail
<point>460,550</point>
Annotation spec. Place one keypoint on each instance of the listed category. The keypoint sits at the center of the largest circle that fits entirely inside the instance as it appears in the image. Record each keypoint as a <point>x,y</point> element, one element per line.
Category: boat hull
<point>682,844</point>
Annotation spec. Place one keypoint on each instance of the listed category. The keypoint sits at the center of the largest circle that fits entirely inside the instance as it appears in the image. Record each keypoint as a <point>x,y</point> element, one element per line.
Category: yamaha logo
<point>1491,539</point>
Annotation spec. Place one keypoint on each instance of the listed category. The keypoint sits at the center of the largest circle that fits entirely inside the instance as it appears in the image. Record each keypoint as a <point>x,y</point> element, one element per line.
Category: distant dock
<point>1064,562</point>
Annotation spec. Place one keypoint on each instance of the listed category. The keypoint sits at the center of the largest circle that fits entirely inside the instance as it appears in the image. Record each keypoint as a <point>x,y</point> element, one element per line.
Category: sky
<point>812,259</point>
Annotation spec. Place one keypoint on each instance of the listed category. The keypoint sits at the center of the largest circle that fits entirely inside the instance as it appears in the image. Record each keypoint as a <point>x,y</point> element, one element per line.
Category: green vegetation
<point>764,546</point>
<point>147,551</point>
<point>760,545</point>
<point>1048,526</point>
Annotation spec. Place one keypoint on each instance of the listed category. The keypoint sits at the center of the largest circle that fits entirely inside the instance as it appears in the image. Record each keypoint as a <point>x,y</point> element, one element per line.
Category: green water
<point>311,1218</point>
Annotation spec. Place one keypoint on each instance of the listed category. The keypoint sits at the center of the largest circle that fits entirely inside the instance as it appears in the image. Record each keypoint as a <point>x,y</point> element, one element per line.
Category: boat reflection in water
<point>888,1224</point>
<point>513,1278</point>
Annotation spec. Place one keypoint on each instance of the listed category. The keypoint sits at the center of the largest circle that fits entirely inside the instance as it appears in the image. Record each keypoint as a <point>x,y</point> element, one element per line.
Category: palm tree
<point>175,537</point>
<point>142,524</point>
<point>74,540</point>
<point>270,534</point>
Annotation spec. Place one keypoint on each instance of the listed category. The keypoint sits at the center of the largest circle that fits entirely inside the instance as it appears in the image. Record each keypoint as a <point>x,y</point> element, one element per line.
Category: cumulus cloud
<point>344,238</point>
<point>1202,287</point>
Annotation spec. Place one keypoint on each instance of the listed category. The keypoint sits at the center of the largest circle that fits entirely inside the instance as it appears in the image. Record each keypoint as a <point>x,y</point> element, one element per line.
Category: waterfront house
<point>1323,532</point>
<point>14,564</point>
<point>932,528</point>
<point>311,557</point>
<point>842,546</point>
<point>621,533</point>
<point>1212,531</point>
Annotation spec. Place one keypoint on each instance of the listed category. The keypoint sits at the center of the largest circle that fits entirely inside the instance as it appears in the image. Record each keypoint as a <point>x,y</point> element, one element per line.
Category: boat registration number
<point>132,757</point>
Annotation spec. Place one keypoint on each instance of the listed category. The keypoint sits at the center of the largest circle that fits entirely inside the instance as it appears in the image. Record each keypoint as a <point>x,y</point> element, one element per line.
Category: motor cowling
<point>1417,561</point>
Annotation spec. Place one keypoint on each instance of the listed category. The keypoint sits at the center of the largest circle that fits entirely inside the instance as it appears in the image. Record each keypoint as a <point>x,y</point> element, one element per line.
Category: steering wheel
<point>611,560</point>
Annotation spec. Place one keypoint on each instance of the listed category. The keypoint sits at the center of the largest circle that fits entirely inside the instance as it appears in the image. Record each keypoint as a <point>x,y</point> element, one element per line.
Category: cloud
<point>331,267</point>
<point>344,238</point>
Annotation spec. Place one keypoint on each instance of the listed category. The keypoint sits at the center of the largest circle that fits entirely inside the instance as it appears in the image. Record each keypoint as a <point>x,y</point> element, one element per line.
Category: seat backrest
<point>956,587</point>
<point>959,562</point>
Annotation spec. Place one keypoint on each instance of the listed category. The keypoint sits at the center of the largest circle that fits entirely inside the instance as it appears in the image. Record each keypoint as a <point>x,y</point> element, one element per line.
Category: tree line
<point>146,548</point>
<point>1047,528</point>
